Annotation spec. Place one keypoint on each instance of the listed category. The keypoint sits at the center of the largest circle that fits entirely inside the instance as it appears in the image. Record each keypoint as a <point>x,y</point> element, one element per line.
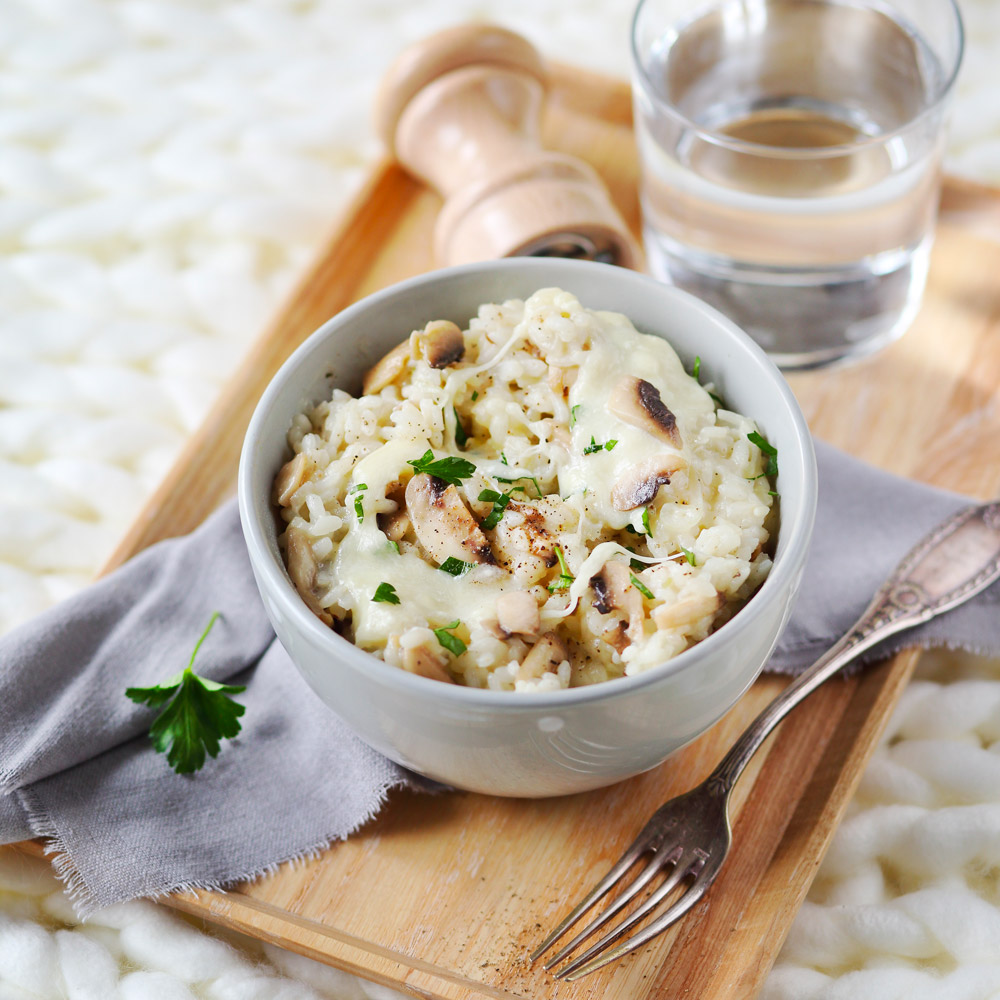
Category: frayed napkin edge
<point>82,897</point>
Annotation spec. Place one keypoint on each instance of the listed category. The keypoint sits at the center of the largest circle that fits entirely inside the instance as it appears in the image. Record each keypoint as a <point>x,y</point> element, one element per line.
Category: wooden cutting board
<point>444,896</point>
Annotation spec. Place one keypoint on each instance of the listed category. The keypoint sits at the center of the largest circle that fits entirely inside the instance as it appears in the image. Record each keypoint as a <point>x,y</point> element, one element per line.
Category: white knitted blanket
<point>168,168</point>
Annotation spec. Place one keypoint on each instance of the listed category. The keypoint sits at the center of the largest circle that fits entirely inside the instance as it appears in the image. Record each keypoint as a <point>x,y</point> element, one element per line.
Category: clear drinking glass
<point>791,158</point>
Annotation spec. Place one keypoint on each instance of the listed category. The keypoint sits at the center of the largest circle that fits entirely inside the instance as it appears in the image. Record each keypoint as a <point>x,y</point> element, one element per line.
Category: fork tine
<point>636,849</point>
<point>658,926</point>
<point>680,872</point>
<point>658,863</point>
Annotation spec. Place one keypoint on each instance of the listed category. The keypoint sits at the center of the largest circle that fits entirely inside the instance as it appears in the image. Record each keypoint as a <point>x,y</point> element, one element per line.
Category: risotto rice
<point>544,500</point>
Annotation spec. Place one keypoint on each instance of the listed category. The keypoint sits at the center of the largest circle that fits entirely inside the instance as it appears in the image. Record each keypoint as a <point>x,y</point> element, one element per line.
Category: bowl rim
<point>344,653</point>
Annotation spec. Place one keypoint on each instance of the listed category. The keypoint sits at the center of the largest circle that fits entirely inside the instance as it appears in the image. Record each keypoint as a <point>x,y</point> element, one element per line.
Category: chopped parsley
<point>499,501</point>
<point>572,414</point>
<point>358,505</point>
<point>688,555</point>
<point>198,714</point>
<point>594,446</point>
<point>386,594</point>
<point>475,395</point>
<point>717,399</point>
<point>771,469</point>
<point>503,459</point>
<point>455,567</point>
<point>394,546</point>
<point>646,530</point>
<point>534,481</point>
<point>450,642</point>
<point>640,586</point>
<point>565,577</point>
<point>451,470</point>
<point>460,436</point>
<point>696,371</point>
<point>634,563</point>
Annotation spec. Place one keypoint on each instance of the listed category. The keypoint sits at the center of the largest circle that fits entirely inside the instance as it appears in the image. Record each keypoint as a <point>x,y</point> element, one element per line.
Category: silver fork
<point>689,836</point>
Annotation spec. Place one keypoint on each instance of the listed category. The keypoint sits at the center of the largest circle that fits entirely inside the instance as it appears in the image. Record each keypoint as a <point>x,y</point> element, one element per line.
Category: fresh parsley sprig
<point>565,580</point>
<point>455,567</point>
<point>499,501</point>
<point>450,642</point>
<point>534,481</point>
<point>452,470</point>
<point>461,437</point>
<point>385,593</point>
<point>198,714</point>
<point>771,468</point>
<point>595,447</point>
<point>359,507</point>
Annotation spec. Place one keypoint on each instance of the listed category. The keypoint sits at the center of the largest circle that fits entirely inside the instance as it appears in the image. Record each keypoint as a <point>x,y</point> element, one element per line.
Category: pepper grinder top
<point>461,111</point>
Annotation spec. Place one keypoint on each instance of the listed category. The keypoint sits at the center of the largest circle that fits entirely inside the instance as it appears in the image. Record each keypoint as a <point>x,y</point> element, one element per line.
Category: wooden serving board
<point>444,896</point>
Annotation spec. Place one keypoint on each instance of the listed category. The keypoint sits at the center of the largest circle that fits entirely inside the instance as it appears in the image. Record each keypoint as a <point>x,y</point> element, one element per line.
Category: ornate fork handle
<point>950,565</point>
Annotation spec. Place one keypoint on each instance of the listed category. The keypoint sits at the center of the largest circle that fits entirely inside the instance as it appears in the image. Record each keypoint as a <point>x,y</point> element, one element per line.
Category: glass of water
<point>791,160</point>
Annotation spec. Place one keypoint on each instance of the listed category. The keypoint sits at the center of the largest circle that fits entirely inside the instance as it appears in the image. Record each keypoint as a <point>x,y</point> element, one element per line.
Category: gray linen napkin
<point>76,766</point>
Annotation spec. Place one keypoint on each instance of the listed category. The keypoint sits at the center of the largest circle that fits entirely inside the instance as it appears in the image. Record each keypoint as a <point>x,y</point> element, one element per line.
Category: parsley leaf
<point>450,642</point>
<point>538,488</point>
<point>394,546</point>
<point>475,395</point>
<point>646,530</point>
<point>565,577</point>
<point>455,567</point>
<point>460,436</point>
<point>358,505</point>
<point>594,446</point>
<point>499,501</point>
<point>771,469</point>
<point>688,555</point>
<point>386,594</point>
<point>572,414</point>
<point>198,714</point>
<point>640,586</point>
<point>451,470</point>
<point>696,371</point>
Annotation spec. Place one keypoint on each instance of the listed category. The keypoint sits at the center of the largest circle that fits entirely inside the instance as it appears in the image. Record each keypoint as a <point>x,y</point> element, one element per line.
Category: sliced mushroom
<point>440,343</point>
<point>443,524</point>
<point>423,662</point>
<point>524,540</point>
<point>642,482</point>
<point>386,371</point>
<point>638,403</point>
<point>613,590</point>
<point>687,612</point>
<point>395,524</point>
<point>545,656</point>
<point>518,612</point>
<point>291,476</point>
<point>302,568</point>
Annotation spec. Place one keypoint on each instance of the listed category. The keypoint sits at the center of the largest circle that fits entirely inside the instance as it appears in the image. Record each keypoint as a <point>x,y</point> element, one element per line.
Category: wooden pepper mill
<point>461,111</point>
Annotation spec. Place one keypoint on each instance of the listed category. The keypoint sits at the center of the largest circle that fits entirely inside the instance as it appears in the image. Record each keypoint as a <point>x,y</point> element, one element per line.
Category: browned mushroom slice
<point>443,524</point>
<point>518,612</point>
<point>395,524</point>
<point>613,590</point>
<point>524,540</point>
<point>291,476</point>
<point>302,569</point>
<point>421,661</point>
<point>642,482</point>
<point>545,656</point>
<point>638,403</point>
<point>440,343</point>
<point>386,371</point>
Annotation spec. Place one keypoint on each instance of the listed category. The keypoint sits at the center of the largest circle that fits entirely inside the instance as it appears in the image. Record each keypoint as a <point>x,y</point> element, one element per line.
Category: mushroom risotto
<point>545,500</point>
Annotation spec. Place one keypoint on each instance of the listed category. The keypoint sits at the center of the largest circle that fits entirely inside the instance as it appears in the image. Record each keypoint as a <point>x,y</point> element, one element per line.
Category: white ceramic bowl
<point>508,743</point>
